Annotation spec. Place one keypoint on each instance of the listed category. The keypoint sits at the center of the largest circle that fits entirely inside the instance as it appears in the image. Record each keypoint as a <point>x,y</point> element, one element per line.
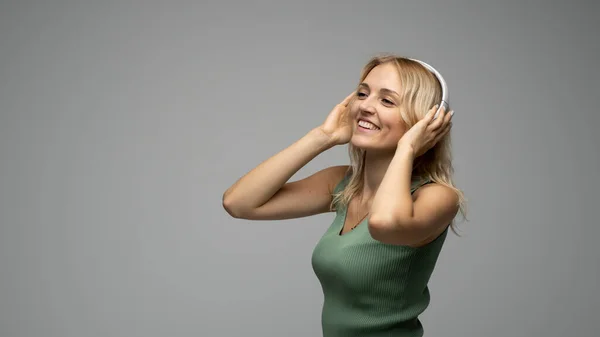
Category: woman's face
<point>375,112</point>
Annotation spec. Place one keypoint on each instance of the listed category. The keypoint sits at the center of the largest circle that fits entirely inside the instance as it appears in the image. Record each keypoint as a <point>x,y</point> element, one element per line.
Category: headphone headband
<point>443,84</point>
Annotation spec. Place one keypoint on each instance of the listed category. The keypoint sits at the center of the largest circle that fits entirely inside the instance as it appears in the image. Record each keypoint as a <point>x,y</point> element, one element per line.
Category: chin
<point>361,143</point>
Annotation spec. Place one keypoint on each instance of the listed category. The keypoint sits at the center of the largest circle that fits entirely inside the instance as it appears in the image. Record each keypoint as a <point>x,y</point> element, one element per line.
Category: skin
<point>377,100</point>
<point>395,216</point>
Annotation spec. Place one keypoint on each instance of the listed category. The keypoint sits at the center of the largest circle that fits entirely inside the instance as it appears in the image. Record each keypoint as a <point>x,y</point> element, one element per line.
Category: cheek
<point>398,131</point>
<point>401,126</point>
<point>395,123</point>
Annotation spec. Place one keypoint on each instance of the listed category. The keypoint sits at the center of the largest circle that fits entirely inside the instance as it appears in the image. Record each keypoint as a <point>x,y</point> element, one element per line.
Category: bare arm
<point>264,193</point>
<point>397,217</point>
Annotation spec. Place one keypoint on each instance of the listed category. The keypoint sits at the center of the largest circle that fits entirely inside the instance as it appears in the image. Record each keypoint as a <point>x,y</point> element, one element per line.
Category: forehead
<point>383,76</point>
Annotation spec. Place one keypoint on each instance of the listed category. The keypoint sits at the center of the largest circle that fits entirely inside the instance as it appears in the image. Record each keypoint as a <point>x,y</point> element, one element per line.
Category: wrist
<point>320,139</point>
<point>405,150</point>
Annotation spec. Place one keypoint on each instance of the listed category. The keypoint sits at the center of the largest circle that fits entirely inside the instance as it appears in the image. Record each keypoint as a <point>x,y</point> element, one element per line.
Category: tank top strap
<point>419,183</point>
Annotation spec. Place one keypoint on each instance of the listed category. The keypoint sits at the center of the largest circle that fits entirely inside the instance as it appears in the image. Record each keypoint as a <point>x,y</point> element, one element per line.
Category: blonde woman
<point>393,204</point>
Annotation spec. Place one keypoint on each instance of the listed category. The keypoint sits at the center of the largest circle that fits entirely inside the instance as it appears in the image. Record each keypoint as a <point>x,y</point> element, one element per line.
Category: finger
<point>443,133</point>
<point>443,120</point>
<point>447,131</point>
<point>429,116</point>
<point>439,121</point>
<point>448,117</point>
<point>439,111</point>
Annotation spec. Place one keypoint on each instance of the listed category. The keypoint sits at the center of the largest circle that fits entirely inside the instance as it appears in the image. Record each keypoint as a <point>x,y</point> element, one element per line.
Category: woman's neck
<point>376,164</point>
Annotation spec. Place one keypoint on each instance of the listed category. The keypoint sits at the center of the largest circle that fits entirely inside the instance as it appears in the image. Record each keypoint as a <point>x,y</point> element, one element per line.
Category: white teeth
<point>367,125</point>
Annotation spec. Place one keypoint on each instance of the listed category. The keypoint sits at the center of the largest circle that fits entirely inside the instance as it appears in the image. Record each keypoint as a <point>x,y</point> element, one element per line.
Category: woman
<point>393,204</point>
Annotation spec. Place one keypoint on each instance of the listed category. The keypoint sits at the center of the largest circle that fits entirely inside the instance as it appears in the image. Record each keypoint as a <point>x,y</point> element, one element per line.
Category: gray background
<point>122,123</point>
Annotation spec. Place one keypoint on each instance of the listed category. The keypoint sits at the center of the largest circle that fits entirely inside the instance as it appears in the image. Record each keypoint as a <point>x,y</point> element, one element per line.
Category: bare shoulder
<point>438,193</point>
<point>322,182</point>
<point>334,175</point>
<point>435,206</point>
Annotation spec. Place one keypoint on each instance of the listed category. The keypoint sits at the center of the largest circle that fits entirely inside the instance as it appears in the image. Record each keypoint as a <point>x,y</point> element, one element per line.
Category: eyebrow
<point>384,90</point>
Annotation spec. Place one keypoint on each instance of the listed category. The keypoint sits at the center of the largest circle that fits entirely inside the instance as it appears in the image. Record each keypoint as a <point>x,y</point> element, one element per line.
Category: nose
<point>367,105</point>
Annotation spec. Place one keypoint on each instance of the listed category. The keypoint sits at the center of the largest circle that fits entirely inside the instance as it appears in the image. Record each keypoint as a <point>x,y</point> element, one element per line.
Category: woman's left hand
<point>427,132</point>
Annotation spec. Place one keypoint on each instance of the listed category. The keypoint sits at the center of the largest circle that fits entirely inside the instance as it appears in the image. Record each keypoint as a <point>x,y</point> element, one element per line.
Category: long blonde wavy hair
<point>420,92</point>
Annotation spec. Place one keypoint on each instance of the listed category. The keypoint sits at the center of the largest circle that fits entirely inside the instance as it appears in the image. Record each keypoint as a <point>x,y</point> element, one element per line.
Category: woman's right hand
<point>337,125</point>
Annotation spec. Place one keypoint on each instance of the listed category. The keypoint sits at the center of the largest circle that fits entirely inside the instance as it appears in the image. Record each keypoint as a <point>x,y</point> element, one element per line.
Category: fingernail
<point>452,113</point>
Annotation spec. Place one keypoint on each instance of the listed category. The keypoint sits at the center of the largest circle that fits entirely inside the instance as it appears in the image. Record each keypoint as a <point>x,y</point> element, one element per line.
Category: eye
<point>388,102</point>
<point>361,94</point>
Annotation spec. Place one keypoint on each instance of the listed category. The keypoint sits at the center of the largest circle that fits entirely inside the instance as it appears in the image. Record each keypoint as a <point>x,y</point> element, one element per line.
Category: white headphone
<point>437,74</point>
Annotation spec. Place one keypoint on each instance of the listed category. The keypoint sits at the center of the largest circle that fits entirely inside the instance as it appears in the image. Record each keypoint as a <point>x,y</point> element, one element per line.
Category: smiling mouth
<point>367,125</point>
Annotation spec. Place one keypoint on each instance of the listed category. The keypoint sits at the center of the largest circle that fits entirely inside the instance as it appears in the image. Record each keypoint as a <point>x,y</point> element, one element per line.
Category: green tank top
<point>371,288</point>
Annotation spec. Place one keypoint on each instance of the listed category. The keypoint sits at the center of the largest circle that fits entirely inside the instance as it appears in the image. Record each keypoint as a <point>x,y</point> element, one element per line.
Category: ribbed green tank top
<point>372,289</point>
